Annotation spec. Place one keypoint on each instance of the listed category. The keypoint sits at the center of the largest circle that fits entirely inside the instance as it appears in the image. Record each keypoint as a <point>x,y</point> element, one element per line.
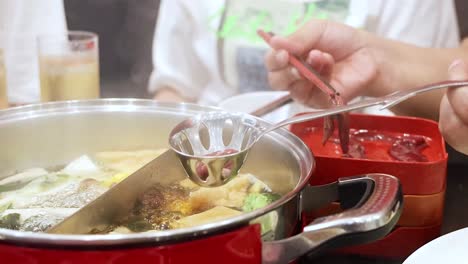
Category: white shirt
<point>20,23</point>
<point>198,50</point>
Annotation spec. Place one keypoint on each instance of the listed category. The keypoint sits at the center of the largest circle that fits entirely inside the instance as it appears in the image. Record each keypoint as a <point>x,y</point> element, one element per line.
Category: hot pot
<point>52,134</point>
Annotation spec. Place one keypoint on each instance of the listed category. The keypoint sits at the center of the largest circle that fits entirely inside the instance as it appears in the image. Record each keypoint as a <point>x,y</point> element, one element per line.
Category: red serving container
<point>418,210</point>
<point>400,243</point>
<point>420,222</point>
<point>417,178</point>
<point>423,183</point>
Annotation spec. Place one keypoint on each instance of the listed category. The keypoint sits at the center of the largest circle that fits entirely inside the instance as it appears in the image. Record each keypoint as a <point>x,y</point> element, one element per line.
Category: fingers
<point>279,43</point>
<point>452,127</point>
<point>458,97</point>
<point>280,75</point>
<point>284,78</point>
<point>307,94</point>
<point>321,62</point>
<point>328,36</point>
<point>304,39</point>
<point>276,60</point>
<point>453,119</point>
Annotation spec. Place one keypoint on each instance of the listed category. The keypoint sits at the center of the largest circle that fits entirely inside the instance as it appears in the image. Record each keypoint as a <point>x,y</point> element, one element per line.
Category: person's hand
<point>453,119</point>
<point>338,52</point>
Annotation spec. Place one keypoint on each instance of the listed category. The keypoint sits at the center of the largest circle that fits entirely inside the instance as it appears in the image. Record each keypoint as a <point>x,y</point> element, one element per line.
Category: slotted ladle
<point>213,146</point>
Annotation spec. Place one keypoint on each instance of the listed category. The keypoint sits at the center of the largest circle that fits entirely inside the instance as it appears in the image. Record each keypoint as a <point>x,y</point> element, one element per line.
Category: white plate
<point>451,248</point>
<point>249,102</point>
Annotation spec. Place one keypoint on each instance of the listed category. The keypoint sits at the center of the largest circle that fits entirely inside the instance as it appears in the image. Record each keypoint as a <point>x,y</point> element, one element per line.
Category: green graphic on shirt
<point>311,13</point>
<point>245,27</point>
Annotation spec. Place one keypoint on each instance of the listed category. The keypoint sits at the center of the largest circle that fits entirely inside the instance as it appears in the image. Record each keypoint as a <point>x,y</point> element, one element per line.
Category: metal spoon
<point>213,146</point>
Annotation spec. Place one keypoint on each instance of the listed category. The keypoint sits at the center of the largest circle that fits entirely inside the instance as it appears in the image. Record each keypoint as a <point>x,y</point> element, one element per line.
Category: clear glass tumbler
<point>69,66</point>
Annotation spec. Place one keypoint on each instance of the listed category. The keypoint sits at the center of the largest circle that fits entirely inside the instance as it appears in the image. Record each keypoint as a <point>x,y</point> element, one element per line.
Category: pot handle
<point>377,202</point>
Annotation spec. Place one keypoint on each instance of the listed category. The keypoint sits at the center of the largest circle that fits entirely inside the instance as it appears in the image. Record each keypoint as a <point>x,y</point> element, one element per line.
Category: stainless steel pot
<point>52,134</point>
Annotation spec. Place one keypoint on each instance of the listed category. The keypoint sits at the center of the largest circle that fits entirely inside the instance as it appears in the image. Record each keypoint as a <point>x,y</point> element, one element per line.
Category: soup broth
<point>36,199</point>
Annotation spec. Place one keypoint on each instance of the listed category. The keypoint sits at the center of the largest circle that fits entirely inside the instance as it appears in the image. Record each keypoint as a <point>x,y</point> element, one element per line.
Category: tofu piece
<point>189,184</point>
<point>127,161</point>
<point>81,166</point>
<point>214,214</point>
<point>232,194</point>
<point>121,230</point>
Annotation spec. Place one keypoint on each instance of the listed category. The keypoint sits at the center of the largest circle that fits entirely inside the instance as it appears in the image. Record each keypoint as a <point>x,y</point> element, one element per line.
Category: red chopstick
<point>308,72</point>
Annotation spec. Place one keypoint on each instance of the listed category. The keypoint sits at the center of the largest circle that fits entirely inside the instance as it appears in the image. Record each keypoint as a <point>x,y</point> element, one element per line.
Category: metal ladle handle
<point>386,101</point>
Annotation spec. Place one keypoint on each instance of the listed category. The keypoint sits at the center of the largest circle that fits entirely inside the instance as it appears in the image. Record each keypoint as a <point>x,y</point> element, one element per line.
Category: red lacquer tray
<point>418,210</point>
<point>417,178</point>
<point>400,243</point>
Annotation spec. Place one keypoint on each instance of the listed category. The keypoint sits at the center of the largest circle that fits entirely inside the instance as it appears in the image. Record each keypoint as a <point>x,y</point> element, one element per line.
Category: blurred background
<point>125,30</point>
<point>125,42</point>
<point>126,33</point>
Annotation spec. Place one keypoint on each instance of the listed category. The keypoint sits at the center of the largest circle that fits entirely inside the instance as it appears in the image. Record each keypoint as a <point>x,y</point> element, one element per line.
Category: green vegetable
<point>53,180</point>
<point>267,223</point>
<point>254,201</point>
<point>10,221</point>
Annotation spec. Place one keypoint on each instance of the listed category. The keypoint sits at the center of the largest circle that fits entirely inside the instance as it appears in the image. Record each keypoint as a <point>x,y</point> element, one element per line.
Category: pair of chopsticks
<point>308,72</point>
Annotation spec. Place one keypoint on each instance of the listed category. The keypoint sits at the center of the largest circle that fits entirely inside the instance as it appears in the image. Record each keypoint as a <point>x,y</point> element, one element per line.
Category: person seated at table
<point>21,21</point>
<point>360,63</point>
<point>205,51</point>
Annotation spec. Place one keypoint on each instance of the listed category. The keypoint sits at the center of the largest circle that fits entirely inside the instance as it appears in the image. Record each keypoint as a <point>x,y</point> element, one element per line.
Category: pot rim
<point>297,147</point>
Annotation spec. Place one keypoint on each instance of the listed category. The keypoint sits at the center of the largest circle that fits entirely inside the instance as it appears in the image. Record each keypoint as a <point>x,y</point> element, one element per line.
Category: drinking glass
<point>69,66</point>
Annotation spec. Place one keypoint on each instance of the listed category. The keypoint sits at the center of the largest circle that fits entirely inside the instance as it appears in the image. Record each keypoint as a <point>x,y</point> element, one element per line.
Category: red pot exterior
<point>239,246</point>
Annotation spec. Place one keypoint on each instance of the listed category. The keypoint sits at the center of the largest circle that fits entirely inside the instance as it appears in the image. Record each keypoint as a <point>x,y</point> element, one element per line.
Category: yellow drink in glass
<point>69,78</point>
<point>69,66</point>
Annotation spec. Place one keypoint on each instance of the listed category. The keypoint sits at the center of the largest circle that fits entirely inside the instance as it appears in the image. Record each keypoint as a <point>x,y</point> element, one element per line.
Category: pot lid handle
<point>374,214</point>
